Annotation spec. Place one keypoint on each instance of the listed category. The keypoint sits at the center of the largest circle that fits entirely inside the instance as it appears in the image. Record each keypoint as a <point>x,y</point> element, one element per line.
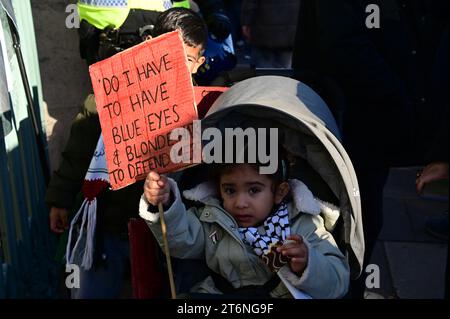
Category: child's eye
<point>254,190</point>
<point>229,191</point>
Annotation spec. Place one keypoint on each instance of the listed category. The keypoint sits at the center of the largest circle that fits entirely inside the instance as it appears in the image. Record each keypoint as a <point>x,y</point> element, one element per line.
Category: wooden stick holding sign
<point>166,251</point>
<point>142,95</point>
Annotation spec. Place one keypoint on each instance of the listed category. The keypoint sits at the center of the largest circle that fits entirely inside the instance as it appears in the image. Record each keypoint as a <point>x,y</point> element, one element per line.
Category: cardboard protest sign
<point>142,94</point>
<point>205,97</point>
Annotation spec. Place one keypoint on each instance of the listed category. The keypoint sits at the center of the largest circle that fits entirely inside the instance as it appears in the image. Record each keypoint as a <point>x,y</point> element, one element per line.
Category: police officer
<point>100,17</point>
<point>107,26</point>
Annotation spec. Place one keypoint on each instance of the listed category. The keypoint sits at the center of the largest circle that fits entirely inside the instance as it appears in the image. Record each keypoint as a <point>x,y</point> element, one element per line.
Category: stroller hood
<point>310,132</point>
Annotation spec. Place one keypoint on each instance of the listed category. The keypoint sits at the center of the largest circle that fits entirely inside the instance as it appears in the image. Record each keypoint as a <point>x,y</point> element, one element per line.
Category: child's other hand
<point>297,251</point>
<point>157,189</point>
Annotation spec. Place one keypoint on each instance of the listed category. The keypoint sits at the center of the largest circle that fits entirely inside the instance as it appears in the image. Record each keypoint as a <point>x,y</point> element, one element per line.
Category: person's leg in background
<point>371,183</point>
<point>261,58</point>
<point>105,281</point>
<point>283,59</point>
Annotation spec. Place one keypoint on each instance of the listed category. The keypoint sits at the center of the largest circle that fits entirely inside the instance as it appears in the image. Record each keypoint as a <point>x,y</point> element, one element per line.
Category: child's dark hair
<point>191,25</point>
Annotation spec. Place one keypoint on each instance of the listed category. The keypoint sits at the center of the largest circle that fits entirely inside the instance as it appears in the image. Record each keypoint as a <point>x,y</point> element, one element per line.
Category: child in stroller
<point>210,232</point>
<point>235,233</point>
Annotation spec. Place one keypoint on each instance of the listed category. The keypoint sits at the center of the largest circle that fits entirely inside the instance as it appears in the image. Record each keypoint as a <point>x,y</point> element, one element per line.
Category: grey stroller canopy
<point>310,133</point>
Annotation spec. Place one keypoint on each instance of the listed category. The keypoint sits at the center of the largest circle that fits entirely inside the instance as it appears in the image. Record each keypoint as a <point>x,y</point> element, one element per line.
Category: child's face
<point>249,196</point>
<point>194,58</point>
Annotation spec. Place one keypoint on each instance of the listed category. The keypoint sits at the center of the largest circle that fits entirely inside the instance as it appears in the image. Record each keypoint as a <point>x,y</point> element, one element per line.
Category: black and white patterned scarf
<point>276,227</point>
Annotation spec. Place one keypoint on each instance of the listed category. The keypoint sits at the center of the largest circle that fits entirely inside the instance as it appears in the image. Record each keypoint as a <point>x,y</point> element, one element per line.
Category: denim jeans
<point>106,280</point>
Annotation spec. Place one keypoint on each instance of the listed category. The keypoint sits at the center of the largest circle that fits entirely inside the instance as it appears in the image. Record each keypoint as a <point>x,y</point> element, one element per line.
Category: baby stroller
<point>311,135</point>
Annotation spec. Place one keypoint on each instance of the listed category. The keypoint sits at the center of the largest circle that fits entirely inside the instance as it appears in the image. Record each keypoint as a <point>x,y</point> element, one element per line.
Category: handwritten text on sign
<point>142,94</point>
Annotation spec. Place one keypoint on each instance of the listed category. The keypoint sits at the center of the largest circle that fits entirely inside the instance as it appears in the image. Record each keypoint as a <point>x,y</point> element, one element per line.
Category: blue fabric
<point>106,280</point>
<point>219,57</point>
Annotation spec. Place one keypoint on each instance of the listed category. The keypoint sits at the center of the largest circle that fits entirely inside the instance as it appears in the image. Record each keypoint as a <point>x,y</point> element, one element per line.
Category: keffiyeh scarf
<point>276,226</point>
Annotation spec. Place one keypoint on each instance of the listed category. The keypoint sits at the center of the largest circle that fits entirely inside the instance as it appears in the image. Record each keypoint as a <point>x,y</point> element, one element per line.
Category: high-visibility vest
<point>104,13</point>
<point>181,4</point>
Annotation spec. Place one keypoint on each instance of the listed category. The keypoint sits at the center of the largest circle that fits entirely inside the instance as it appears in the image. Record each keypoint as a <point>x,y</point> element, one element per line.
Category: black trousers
<point>371,183</point>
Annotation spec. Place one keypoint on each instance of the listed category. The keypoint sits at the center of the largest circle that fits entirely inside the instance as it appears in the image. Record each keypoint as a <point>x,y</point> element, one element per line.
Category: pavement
<point>411,261</point>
